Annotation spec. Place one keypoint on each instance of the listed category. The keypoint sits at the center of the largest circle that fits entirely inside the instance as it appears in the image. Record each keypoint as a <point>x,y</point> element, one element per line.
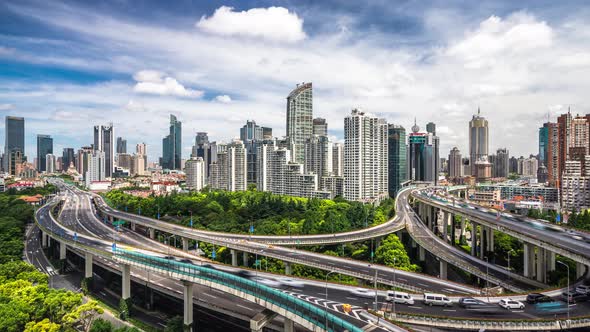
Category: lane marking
<point>207,294</point>
<point>244,307</point>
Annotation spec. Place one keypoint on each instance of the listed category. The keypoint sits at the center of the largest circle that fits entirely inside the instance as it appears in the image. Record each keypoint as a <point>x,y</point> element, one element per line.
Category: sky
<point>67,66</point>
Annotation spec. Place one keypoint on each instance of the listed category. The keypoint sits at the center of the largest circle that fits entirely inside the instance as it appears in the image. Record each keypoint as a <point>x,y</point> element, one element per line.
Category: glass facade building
<point>14,140</point>
<point>397,158</point>
<point>299,120</point>
<point>44,147</point>
<point>172,146</point>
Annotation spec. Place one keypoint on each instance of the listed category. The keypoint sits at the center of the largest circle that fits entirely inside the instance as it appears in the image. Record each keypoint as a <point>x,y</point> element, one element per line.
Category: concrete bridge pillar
<point>43,240</point>
<point>132,225</point>
<point>245,258</point>
<point>541,260</point>
<point>421,254</point>
<point>187,294</point>
<point>400,235</point>
<point>234,257</point>
<point>125,281</point>
<point>62,250</point>
<point>473,239</point>
<point>88,265</point>
<point>445,223</point>
<point>412,242</point>
<point>462,233</point>
<point>287,268</point>
<point>550,256</point>
<point>288,325</point>
<point>580,270</point>
<point>184,244</point>
<point>152,233</point>
<point>490,239</point>
<point>443,269</point>
<point>111,219</point>
<point>529,258</point>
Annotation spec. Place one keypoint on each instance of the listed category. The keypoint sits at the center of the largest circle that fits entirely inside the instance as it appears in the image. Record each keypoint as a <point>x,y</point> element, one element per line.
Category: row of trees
<point>236,212</point>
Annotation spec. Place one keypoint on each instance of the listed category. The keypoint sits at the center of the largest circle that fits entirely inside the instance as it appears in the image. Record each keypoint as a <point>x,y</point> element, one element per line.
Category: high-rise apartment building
<point>478,140</point>
<point>96,168</point>
<point>320,127</point>
<point>455,164</point>
<point>83,158</point>
<point>121,145</point>
<point>250,132</point>
<point>172,146</point>
<point>575,185</point>
<point>44,147</point>
<point>252,135</point>
<point>50,163</point>
<point>552,155</point>
<point>125,161</point>
<point>206,150</point>
<point>299,119</point>
<point>501,163</point>
<point>365,157</point>
<point>396,158</point>
<point>14,143</point>
<point>68,158</point>
<point>528,166</point>
<point>195,173</point>
<point>422,156</point>
<point>337,159</point>
<point>104,140</point>
<point>229,172</point>
<point>318,156</point>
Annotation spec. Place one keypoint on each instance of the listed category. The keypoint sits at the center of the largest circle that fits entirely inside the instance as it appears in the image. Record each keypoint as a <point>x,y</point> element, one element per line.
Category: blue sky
<point>70,65</point>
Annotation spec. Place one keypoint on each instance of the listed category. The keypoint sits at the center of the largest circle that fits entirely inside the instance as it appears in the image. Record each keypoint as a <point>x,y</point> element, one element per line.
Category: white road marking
<point>415,307</point>
<point>207,294</point>
<point>244,307</point>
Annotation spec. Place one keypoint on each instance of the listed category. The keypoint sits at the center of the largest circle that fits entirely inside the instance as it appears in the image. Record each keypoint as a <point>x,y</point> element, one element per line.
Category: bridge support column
<point>62,250</point>
<point>421,254</point>
<point>462,233</point>
<point>245,258</point>
<point>541,260</point>
<point>88,265</point>
<point>287,268</point>
<point>125,281</point>
<point>443,269</point>
<point>184,244</point>
<point>473,238</point>
<point>580,270</point>
<point>400,235</point>
<point>412,242</point>
<point>445,223</point>
<point>132,225</point>
<point>482,248</point>
<point>529,258</point>
<point>550,255</point>
<point>187,294</point>
<point>152,233</point>
<point>258,322</point>
<point>234,257</point>
<point>288,325</point>
<point>490,239</point>
<point>43,239</point>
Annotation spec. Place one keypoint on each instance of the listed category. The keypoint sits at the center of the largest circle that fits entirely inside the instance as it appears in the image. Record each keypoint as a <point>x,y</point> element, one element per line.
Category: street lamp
<point>487,278</point>
<point>568,288</point>
<point>327,297</point>
<point>510,252</point>
<point>393,300</point>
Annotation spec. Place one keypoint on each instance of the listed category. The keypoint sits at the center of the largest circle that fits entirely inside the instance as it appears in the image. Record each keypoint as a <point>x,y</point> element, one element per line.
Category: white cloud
<point>225,99</point>
<point>6,107</point>
<point>155,82</point>
<point>273,23</point>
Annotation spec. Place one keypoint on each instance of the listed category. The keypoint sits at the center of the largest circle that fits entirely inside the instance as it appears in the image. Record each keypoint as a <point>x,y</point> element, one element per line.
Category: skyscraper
<point>250,131</point>
<point>365,157</point>
<point>299,119</point>
<point>337,159</point>
<point>96,167</point>
<point>320,127</point>
<point>431,128</point>
<point>44,147</point>
<point>318,156</point>
<point>83,158</point>
<point>121,145</point>
<point>422,156</point>
<point>251,135</point>
<point>67,158</point>
<point>552,154</point>
<point>195,173</point>
<point>396,158</point>
<point>206,150</point>
<point>478,140</point>
<point>104,140</point>
<point>502,163</point>
<point>229,171</point>
<point>14,144</point>
<point>544,143</point>
<point>455,164</point>
<point>50,163</point>
<point>172,145</point>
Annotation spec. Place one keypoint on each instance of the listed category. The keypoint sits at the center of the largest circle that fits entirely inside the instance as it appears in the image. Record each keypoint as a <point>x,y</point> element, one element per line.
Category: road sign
<point>119,223</point>
<point>75,236</point>
<point>191,222</point>
<point>213,254</point>
<point>251,228</point>
<point>257,262</point>
<point>114,246</point>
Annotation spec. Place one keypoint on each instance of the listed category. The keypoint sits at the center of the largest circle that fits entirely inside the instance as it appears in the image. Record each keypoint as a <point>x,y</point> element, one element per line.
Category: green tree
<point>175,324</point>
<point>101,325</point>
<point>42,326</point>
<point>83,316</point>
<point>392,253</point>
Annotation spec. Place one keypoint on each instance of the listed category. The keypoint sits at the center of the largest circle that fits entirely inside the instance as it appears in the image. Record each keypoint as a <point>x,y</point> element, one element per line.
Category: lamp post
<point>393,300</point>
<point>327,297</point>
<point>510,252</point>
<point>568,288</point>
<point>487,278</point>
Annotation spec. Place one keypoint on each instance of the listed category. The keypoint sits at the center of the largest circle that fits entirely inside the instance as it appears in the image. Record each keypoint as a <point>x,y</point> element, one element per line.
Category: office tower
<point>250,131</point>
<point>466,166</point>
<point>229,172</point>
<point>544,143</point>
<point>14,143</point>
<point>96,167</point>
<point>83,158</point>
<point>396,158</point>
<point>455,164</point>
<point>431,128</point>
<point>266,133</point>
<point>365,157</point>
<point>492,159</point>
<point>124,160</point>
<point>318,156</point>
<point>67,158</point>
<point>422,156</point>
<point>172,146</point>
<point>195,173</point>
<point>564,139</point>
<point>278,174</point>
<point>121,145</point>
<point>320,127</point>
<point>49,163</point>
<point>513,165</point>
<point>104,140</point>
<point>44,147</point>
<point>206,150</point>
<point>337,159</point>
<point>552,155</point>
<point>299,119</point>
<point>478,139</point>
<point>501,163</point>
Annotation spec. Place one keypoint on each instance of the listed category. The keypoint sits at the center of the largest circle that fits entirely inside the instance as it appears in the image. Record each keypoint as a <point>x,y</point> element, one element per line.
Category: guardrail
<point>312,314</point>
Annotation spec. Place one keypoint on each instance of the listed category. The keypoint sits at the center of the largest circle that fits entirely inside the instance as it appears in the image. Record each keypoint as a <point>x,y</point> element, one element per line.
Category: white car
<point>361,292</point>
<point>267,282</point>
<point>288,282</point>
<point>583,289</point>
<point>511,304</point>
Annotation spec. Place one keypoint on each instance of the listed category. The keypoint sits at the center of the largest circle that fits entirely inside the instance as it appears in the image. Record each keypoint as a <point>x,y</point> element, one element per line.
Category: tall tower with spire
<point>478,140</point>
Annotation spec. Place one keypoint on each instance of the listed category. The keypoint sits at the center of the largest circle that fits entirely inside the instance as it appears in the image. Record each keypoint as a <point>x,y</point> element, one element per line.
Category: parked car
<point>399,297</point>
<point>537,298</point>
<point>437,299</point>
<point>289,282</point>
<point>511,304</point>
<point>583,289</point>
<point>362,292</point>
<point>574,297</point>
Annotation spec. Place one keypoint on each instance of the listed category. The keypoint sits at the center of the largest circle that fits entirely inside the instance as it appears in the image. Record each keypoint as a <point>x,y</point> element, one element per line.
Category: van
<point>583,289</point>
<point>399,297</point>
<point>437,299</point>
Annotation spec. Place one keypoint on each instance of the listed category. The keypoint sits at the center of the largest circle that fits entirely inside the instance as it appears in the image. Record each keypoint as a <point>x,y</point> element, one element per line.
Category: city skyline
<point>204,87</point>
